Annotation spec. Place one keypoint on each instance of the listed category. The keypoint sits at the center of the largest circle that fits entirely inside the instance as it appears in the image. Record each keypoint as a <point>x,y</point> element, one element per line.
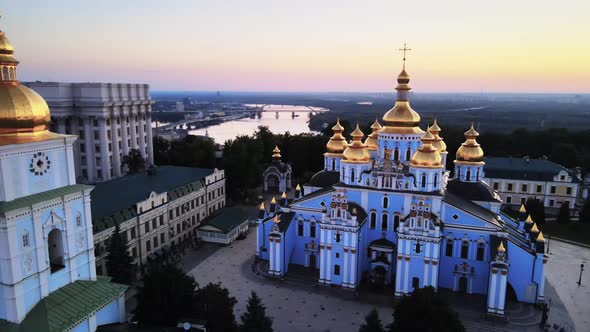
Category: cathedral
<point>48,278</point>
<point>385,210</point>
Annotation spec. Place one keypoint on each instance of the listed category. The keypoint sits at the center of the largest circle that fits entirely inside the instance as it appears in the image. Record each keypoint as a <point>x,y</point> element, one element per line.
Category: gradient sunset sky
<point>320,45</point>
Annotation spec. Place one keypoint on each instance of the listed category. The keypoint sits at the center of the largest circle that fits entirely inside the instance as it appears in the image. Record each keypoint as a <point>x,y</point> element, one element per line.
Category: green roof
<point>121,194</point>
<point>524,168</point>
<point>229,219</point>
<point>30,200</point>
<point>67,306</point>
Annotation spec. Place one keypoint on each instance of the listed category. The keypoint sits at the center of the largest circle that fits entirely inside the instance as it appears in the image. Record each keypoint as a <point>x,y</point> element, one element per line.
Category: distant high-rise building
<point>109,118</point>
<point>179,106</point>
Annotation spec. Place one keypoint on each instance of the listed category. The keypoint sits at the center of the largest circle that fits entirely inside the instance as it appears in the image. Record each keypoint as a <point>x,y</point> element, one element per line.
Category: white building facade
<point>110,120</point>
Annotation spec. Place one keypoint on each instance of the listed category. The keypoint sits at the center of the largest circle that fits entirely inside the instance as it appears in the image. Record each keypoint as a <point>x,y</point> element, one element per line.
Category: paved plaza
<point>297,305</point>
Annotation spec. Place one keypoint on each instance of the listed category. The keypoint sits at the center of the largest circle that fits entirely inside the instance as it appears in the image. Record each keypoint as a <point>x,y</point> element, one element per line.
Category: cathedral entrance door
<point>463,285</point>
<point>312,263</point>
<point>380,273</point>
<point>272,183</point>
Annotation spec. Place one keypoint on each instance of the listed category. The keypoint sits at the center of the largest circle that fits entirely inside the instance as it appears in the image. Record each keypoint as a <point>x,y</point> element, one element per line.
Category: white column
<point>104,150</point>
<point>502,295</point>
<point>142,134</point>
<point>124,136</point>
<point>278,256</point>
<point>353,268</point>
<point>425,277</point>
<point>271,256</point>
<point>492,291</point>
<point>434,275</point>
<point>345,268</point>
<point>115,144</point>
<point>322,261</point>
<point>132,125</point>
<point>329,266</point>
<point>407,276</point>
<point>89,146</point>
<point>150,138</point>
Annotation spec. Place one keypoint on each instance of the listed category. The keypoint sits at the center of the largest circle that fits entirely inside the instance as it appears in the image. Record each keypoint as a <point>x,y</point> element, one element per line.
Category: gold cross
<point>404,50</point>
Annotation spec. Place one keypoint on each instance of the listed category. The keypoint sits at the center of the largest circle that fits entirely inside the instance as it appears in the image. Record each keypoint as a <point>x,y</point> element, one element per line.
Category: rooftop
<point>124,192</point>
<point>519,168</point>
<point>229,219</point>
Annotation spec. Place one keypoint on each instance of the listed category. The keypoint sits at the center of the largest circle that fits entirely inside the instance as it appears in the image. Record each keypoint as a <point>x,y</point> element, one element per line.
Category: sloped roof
<point>229,219</point>
<point>472,208</point>
<point>41,197</point>
<point>524,168</point>
<point>473,191</point>
<point>324,179</point>
<point>67,306</point>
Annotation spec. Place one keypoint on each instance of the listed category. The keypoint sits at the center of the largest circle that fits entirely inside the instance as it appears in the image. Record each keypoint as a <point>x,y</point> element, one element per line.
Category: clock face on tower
<point>40,164</point>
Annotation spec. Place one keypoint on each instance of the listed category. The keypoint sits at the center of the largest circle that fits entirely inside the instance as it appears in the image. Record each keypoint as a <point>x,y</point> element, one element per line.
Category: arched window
<point>465,249</point>
<point>337,270</point>
<point>395,222</point>
<point>396,154</point>
<point>78,220</point>
<point>333,164</point>
<point>384,222</point>
<point>477,175</point>
<point>26,240</point>
<point>423,184</point>
<point>373,222</point>
<point>408,154</point>
<point>5,74</point>
<point>435,180</point>
<point>385,202</point>
<point>468,175</point>
<point>13,76</point>
<point>352,179</point>
<point>56,251</point>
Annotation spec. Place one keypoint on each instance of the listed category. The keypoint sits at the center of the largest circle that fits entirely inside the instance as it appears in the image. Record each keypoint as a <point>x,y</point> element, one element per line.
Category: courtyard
<point>296,304</point>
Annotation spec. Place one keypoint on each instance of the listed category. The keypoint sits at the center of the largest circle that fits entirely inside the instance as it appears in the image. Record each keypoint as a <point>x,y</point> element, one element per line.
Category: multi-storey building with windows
<point>384,211</point>
<point>109,118</point>
<point>155,210</point>
<point>518,179</point>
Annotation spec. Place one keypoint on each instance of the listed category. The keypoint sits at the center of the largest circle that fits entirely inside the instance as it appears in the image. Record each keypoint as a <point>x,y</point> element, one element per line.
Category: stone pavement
<point>566,297</point>
<point>297,305</point>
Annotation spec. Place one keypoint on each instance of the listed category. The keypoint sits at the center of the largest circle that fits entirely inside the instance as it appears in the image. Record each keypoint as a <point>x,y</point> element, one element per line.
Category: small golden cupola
<point>470,151</point>
<point>24,114</point>
<point>337,143</point>
<point>426,155</point>
<point>372,139</point>
<point>356,151</point>
<point>276,154</point>
<point>438,143</point>
<point>401,118</point>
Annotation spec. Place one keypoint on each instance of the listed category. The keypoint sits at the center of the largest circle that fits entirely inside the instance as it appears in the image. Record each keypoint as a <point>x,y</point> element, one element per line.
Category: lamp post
<point>548,241</point>
<point>581,270</point>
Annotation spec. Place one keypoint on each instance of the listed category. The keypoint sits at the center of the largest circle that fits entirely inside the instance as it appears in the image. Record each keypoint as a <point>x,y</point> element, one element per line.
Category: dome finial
<point>404,50</point>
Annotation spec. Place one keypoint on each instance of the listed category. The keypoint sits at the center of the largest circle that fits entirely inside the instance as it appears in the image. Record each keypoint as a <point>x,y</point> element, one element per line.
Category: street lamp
<point>548,241</point>
<point>581,270</point>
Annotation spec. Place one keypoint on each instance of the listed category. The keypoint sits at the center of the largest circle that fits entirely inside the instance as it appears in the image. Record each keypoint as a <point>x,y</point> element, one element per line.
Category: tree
<point>167,295</point>
<point>118,260</point>
<point>425,310</point>
<point>536,209</point>
<point>134,161</point>
<point>564,154</point>
<point>255,318</point>
<point>585,212</point>
<point>161,151</point>
<point>216,307</point>
<point>192,151</point>
<point>564,213</point>
<point>372,323</point>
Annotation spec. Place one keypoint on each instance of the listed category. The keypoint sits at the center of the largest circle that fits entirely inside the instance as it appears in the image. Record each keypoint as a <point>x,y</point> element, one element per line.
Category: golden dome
<point>24,114</point>
<point>438,143</point>
<point>356,151</point>
<point>371,141</point>
<point>540,237</point>
<point>470,152</point>
<point>337,143</point>
<point>284,195</point>
<point>276,153</point>
<point>426,155</point>
<point>262,206</point>
<point>534,229</point>
<point>501,247</point>
<point>522,209</point>
<point>401,118</point>
<point>298,188</point>
<point>529,220</point>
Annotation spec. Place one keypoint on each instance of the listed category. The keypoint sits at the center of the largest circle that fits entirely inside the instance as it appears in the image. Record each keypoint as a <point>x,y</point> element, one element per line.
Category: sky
<point>305,45</point>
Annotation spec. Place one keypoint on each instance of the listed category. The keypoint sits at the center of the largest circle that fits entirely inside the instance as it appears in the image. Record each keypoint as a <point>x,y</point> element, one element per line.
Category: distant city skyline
<point>305,46</point>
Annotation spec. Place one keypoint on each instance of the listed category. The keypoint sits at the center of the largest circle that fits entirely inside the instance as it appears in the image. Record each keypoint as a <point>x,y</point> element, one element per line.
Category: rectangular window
<point>569,190</point>
<point>480,251</point>
<point>154,223</point>
<point>177,211</point>
<point>509,187</point>
<point>524,188</point>
<point>449,248</point>
<point>177,228</point>
<point>553,189</point>
<point>312,230</point>
<point>133,252</point>
<point>337,237</point>
<point>539,188</point>
<point>148,245</point>
<point>155,242</point>
<point>337,270</point>
<point>464,249</point>
<point>300,229</point>
<point>161,220</point>
<point>170,215</point>
<point>162,238</point>
<point>496,185</point>
<point>132,231</point>
<point>551,202</point>
<point>415,283</point>
<point>508,199</point>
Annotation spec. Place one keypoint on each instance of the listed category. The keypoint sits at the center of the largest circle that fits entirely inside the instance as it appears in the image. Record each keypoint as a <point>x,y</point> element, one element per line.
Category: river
<point>278,122</point>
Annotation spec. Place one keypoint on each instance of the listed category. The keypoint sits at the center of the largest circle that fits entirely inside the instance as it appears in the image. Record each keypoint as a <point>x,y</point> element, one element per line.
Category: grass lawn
<point>573,231</point>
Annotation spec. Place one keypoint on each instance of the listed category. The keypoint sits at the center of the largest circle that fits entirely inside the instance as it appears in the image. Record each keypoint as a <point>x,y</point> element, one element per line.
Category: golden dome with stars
<point>470,152</point>
<point>426,155</point>
<point>356,151</point>
<point>337,143</point>
<point>372,139</point>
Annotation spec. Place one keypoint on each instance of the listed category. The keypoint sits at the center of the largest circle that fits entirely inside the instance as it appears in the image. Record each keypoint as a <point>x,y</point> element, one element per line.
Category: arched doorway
<point>463,285</point>
<point>379,276</point>
<point>312,262</point>
<point>56,251</point>
<point>272,183</point>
